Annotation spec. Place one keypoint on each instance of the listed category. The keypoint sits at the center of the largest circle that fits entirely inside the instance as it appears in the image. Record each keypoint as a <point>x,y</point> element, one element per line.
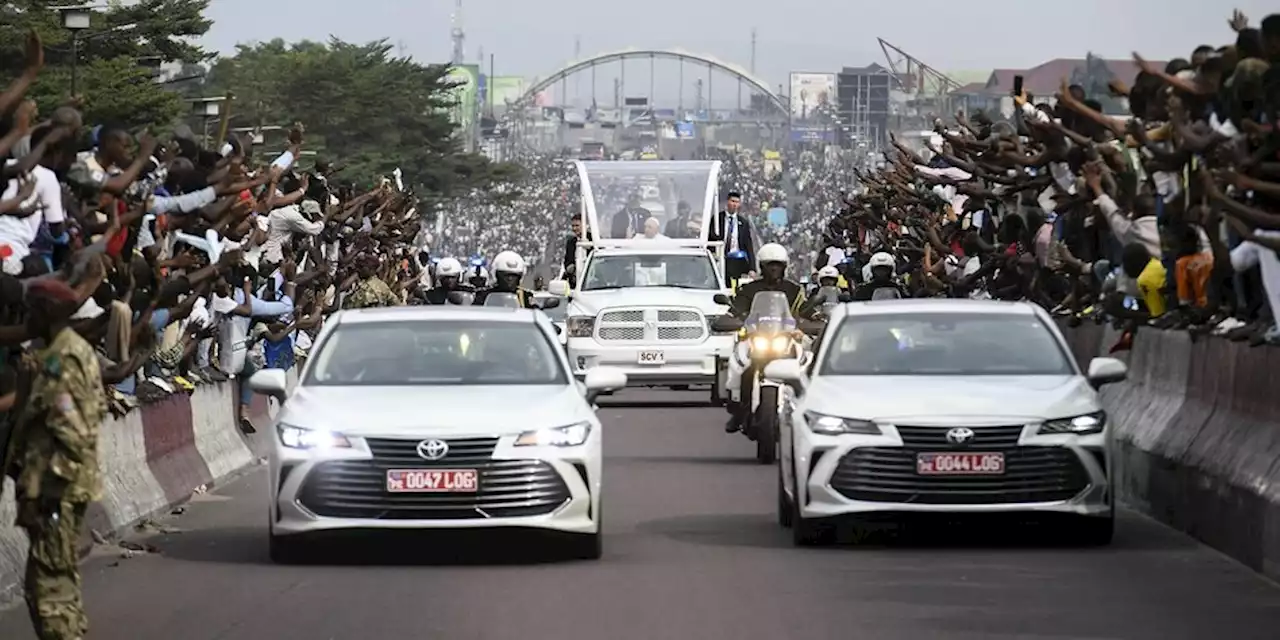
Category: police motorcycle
<point>768,333</point>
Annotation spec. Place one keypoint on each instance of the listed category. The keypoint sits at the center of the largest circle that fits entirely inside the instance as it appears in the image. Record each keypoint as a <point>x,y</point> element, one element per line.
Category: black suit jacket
<point>746,240</point>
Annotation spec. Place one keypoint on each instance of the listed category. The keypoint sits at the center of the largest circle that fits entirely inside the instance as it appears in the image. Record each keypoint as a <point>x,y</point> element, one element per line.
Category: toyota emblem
<point>433,449</point>
<point>960,435</point>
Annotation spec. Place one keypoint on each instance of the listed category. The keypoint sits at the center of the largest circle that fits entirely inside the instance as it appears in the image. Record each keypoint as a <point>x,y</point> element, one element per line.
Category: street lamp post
<point>75,20</point>
<point>206,109</point>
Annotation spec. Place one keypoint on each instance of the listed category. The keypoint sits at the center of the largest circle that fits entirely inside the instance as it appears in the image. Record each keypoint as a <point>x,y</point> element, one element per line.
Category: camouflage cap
<point>85,180</point>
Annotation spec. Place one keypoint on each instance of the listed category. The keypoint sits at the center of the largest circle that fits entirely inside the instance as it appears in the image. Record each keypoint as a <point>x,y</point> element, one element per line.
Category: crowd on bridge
<point>132,269</point>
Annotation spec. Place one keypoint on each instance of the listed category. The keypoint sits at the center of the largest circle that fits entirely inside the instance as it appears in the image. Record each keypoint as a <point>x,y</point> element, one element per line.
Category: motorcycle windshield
<point>829,297</point>
<point>885,293</point>
<point>770,313</point>
<point>502,299</point>
<point>462,298</point>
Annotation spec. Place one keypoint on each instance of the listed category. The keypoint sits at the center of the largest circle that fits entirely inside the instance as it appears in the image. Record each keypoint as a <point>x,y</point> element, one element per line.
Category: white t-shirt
<point>19,233</point>
<point>281,225</point>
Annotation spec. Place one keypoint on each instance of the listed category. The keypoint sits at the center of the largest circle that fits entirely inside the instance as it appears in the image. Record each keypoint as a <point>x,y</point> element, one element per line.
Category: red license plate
<point>432,481</point>
<point>960,464</point>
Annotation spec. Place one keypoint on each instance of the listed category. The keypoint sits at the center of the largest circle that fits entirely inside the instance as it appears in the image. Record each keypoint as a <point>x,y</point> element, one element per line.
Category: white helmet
<point>448,268</point>
<point>828,272</point>
<point>478,271</point>
<point>508,262</point>
<point>773,252</point>
<point>882,259</point>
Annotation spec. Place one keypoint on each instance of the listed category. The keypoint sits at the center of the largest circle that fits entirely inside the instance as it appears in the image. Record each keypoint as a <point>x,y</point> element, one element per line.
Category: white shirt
<point>19,233</point>
<point>281,225</point>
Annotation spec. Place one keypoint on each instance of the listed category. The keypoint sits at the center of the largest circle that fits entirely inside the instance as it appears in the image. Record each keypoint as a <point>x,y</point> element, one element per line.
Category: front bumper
<point>860,474</point>
<point>683,363</point>
<point>550,488</point>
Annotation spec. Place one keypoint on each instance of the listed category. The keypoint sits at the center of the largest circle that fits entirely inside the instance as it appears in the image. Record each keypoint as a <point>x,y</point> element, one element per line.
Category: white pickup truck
<point>647,308</point>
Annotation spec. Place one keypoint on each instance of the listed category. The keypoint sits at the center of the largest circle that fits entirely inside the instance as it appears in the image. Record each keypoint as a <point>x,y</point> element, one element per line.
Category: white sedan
<point>394,425</point>
<point>943,406</point>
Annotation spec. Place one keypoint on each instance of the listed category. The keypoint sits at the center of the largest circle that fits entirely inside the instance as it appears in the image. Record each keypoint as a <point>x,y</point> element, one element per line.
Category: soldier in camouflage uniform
<point>53,456</point>
<point>370,291</point>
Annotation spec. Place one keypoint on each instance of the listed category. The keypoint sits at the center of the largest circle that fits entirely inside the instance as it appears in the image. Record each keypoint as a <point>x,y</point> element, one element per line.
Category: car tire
<point>589,546</point>
<point>766,426</point>
<point>1093,531</point>
<point>287,549</point>
<point>809,532</point>
<point>785,512</point>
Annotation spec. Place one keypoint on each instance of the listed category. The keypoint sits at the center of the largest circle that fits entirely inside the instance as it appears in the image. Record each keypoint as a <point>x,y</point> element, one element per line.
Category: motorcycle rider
<point>448,276</point>
<point>773,269</point>
<point>508,271</point>
<point>881,268</point>
<point>478,277</point>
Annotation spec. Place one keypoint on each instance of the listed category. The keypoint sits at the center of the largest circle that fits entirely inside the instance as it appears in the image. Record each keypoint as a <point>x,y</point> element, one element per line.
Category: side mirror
<point>844,297</point>
<point>558,288</point>
<point>548,303</point>
<point>273,383</point>
<point>726,324</point>
<point>1104,371</point>
<point>721,298</point>
<point>600,380</point>
<point>788,372</point>
<point>558,329</point>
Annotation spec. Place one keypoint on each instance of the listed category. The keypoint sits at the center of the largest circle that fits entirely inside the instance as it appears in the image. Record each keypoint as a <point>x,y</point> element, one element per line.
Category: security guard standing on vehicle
<point>508,271</point>
<point>53,457</point>
<point>773,269</point>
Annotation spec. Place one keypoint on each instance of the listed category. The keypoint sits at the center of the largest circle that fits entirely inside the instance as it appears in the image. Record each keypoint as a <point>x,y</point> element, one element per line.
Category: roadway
<point>692,552</point>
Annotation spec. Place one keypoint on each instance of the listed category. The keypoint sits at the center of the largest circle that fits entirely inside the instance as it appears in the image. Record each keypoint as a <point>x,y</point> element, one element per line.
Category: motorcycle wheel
<point>766,426</point>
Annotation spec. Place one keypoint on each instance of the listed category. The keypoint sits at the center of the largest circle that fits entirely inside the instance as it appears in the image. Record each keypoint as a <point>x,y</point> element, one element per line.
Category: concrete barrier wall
<point>1196,437</point>
<point>152,458</point>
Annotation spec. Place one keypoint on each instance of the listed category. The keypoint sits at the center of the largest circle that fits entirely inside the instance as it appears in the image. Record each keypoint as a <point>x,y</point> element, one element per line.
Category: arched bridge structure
<point>680,55</point>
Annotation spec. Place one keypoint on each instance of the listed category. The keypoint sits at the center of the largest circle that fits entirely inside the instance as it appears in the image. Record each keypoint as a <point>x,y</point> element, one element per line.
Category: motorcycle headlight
<point>580,326</point>
<point>570,436</point>
<point>299,438</point>
<point>1079,425</point>
<point>834,426</point>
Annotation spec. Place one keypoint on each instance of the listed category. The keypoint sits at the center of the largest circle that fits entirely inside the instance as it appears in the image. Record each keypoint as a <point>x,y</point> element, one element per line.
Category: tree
<point>361,105</point>
<point>113,80</point>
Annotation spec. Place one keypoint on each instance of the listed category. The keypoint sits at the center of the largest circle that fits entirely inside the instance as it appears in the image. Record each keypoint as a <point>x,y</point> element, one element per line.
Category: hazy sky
<point>535,37</point>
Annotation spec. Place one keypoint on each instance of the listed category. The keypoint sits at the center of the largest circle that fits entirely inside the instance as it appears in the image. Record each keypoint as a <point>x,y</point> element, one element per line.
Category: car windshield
<point>436,352</point>
<point>687,271</point>
<point>944,344</point>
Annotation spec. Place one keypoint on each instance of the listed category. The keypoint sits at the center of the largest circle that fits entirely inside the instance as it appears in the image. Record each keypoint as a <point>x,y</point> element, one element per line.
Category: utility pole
<point>753,51</point>
<point>458,35</point>
<point>697,95</point>
<point>577,77</point>
<point>617,93</point>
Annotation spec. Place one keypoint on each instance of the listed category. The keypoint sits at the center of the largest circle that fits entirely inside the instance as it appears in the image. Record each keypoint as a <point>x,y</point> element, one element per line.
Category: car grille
<point>888,474</point>
<point>650,325</point>
<point>357,489</point>
<point>397,451</point>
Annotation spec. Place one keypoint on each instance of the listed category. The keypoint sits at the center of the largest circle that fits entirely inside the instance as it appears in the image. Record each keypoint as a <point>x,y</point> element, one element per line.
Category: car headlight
<point>570,436</point>
<point>299,438</point>
<point>580,326</point>
<point>833,426</point>
<point>1079,425</point>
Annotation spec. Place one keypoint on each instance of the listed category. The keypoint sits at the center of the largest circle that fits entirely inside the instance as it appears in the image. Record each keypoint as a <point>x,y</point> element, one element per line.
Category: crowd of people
<point>1160,218</point>
<point>135,268</point>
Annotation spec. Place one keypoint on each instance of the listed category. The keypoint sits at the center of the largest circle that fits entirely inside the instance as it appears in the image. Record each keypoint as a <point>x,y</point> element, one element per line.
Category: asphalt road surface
<point>692,551</point>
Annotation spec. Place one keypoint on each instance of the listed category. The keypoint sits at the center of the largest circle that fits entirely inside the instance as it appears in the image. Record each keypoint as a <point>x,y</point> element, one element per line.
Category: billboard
<point>808,90</point>
<point>802,133</point>
<point>504,90</point>
<point>466,77</point>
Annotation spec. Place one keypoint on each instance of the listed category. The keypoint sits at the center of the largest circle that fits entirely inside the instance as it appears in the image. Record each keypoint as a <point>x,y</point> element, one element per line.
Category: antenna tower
<point>458,35</point>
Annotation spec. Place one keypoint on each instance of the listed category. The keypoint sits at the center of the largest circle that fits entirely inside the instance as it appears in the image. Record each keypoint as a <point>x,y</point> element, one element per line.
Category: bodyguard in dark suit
<point>735,230</point>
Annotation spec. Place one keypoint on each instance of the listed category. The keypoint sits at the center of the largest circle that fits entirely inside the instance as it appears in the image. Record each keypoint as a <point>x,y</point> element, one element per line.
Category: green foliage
<point>113,53</point>
<point>361,106</point>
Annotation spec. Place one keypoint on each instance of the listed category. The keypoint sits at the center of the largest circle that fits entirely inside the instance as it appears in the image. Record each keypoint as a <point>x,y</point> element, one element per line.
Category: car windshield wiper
<point>605,288</point>
<point>676,286</point>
